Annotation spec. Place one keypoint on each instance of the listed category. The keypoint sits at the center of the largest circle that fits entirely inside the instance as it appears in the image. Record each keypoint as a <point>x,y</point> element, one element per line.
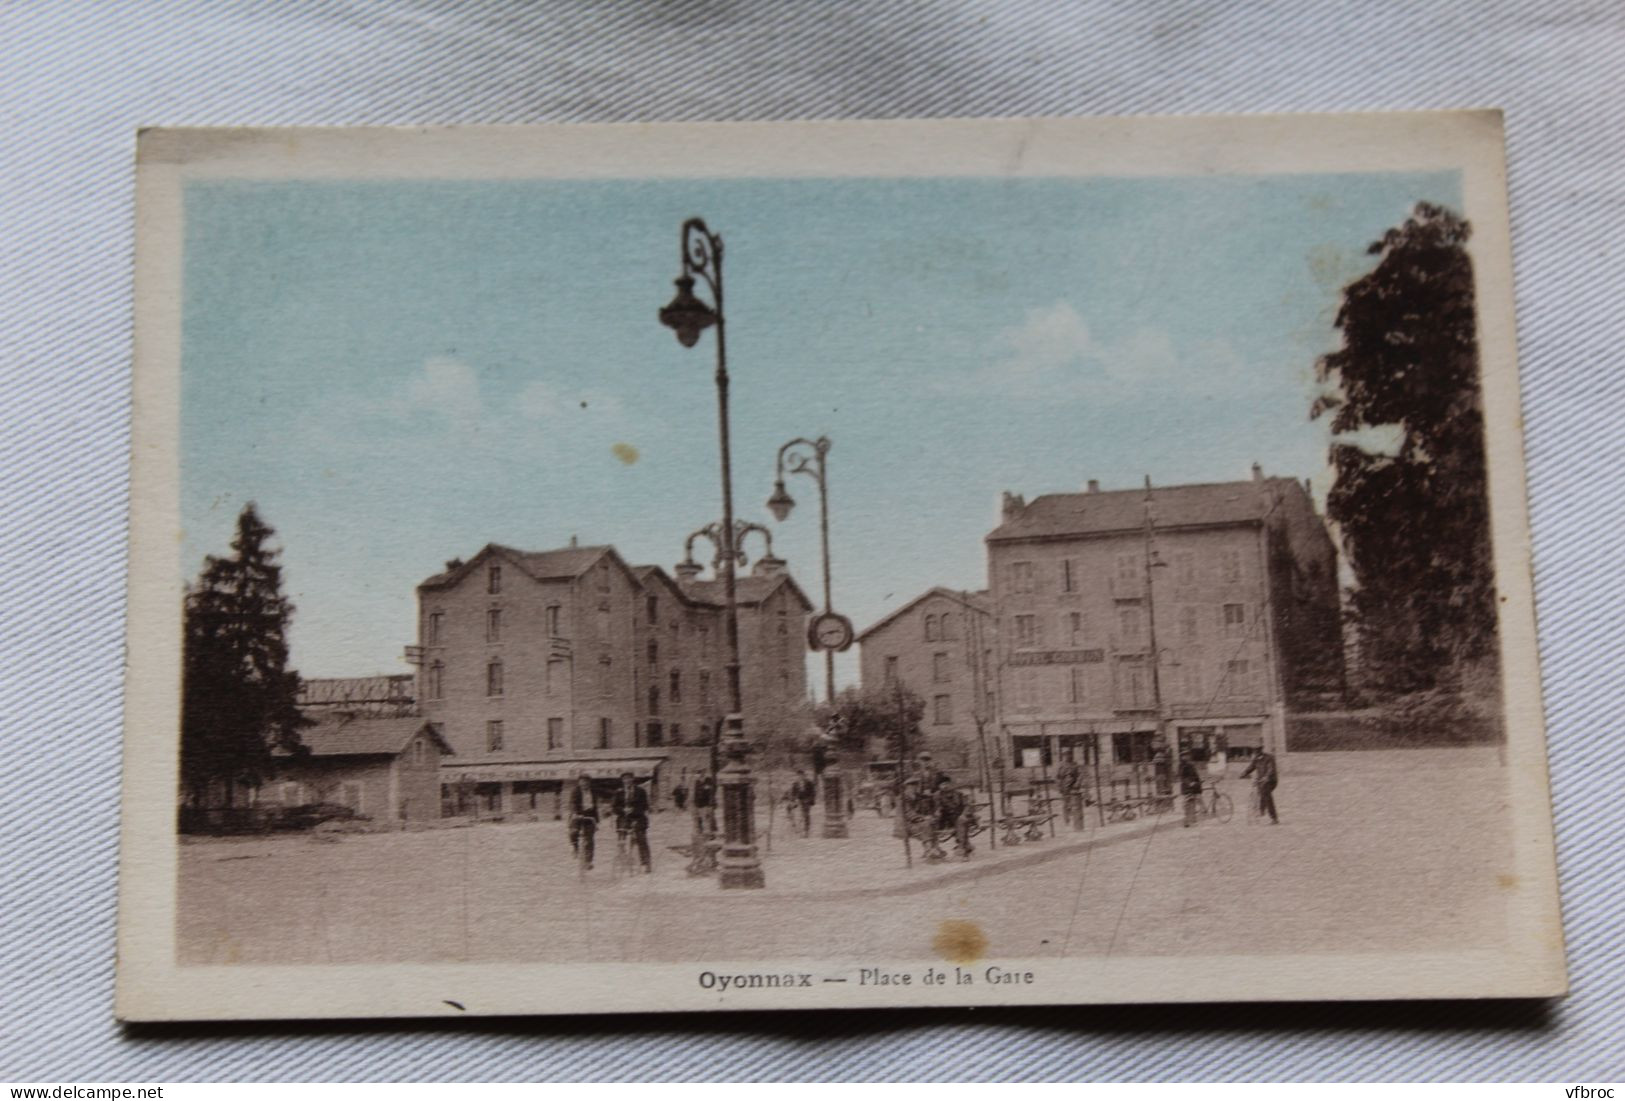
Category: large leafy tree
<point>890,715</point>
<point>239,698</point>
<point>1414,522</point>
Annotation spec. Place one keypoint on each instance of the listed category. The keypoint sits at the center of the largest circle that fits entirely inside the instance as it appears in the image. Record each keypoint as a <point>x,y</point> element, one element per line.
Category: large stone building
<point>1235,582</point>
<point>940,646</point>
<point>536,666</point>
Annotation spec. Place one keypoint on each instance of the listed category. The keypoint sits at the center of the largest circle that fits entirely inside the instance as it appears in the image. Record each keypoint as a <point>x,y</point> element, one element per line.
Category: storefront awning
<point>564,769</point>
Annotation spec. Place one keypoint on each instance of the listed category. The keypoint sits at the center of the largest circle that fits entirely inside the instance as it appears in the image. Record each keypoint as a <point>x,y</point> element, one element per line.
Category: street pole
<point>1159,733</point>
<point>740,865</point>
<point>810,457</point>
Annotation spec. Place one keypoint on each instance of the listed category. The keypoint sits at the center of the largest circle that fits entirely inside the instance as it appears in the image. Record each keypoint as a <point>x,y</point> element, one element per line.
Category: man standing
<point>803,793</point>
<point>1190,785</point>
<point>631,808</point>
<point>1161,768</point>
<point>1069,777</point>
<point>1265,776</point>
<point>583,817</point>
<point>953,812</point>
<point>705,804</point>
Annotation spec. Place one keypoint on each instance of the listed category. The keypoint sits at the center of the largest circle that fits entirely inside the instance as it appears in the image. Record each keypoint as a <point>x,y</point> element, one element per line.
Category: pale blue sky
<point>400,373</point>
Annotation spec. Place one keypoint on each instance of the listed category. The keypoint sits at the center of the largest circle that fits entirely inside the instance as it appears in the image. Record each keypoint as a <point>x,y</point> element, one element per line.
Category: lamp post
<point>830,632</point>
<point>700,256</point>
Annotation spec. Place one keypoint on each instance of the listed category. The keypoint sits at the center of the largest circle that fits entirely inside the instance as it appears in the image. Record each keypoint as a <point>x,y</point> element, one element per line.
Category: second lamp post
<point>829,631</point>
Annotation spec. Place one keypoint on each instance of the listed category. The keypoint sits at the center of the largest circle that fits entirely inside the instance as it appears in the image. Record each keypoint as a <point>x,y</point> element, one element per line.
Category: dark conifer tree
<point>1414,524</point>
<point>239,698</point>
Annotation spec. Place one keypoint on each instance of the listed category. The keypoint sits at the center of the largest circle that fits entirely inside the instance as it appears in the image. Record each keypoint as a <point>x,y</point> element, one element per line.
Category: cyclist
<point>1190,786</point>
<point>631,808</point>
<point>583,818</point>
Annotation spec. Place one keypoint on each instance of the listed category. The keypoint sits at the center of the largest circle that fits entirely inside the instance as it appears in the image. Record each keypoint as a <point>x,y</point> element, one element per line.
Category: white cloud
<point>447,388</point>
<point>538,401</point>
<point>542,400</point>
<point>1050,345</point>
<point>1053,355</point>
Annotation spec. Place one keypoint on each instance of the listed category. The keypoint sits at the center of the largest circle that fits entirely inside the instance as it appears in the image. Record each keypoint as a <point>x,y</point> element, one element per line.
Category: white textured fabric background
<point>77,78</point>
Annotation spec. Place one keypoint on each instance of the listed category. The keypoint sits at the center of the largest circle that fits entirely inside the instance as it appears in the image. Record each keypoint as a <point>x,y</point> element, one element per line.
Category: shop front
<point>538,789</point>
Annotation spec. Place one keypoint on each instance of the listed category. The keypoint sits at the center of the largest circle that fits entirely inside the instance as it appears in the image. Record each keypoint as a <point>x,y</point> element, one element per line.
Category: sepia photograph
<point>584,569</point>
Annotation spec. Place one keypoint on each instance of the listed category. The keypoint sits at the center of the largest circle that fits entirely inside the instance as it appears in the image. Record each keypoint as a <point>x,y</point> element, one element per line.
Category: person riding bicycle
<point>583,818</point>
<point>1190,786</point>
<point>631,807</point>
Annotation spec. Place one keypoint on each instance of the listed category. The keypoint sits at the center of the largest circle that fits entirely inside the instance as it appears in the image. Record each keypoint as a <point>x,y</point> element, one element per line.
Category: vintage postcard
<point>759,566</point>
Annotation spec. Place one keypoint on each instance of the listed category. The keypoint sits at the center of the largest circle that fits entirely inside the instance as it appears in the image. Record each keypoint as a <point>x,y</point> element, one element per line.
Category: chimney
<point>1094,485</point>
<point>687,571</point>
<point>1308,487</point>
<point>572,541</point>
<point>453,564</point>
<point>768,566</point>
<point>1258,473</point>
<point>1014,503</point>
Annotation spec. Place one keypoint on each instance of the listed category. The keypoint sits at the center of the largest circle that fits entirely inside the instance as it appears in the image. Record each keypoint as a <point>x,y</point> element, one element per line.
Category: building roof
<point>342,735</point>
<point>747,590</point>
<point>975,601</point>
<point>550,565</point>
<point>1099,513</point>
<point>648,575</point>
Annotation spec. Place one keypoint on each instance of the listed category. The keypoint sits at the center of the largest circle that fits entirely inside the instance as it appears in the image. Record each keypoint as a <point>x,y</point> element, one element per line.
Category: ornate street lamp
<point>828,631</point>
<point>700,256</point>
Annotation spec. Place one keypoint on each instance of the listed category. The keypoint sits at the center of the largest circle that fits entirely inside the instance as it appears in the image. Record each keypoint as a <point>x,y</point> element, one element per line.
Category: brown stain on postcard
<point>959,941</point>
<point>625,452</point>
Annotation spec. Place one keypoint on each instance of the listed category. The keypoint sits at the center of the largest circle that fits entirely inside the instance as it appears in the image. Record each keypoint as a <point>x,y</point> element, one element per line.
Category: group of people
<point>935,805</point>
<point>629,807</point>
<point>1071,784</point>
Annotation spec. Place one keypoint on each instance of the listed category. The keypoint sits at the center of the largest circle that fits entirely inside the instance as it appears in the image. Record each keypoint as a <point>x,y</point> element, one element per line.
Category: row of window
<point>495,734</point>
<point>1228,567</point>
<point>435,682</point>
<point>654,733</point>
<point>1131,687</point>
<point>1079,628</point>
<point>434,630</point>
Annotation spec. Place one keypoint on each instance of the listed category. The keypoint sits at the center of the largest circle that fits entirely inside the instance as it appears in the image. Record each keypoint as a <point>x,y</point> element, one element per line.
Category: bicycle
<point>582,833</point>
<point>1213,803</point>
<point>623,854</point>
